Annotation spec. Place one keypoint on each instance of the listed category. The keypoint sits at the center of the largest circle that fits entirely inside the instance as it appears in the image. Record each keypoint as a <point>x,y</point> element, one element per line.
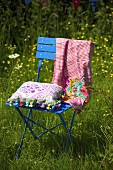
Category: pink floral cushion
<point>35,93</point>
<point>76,94</point>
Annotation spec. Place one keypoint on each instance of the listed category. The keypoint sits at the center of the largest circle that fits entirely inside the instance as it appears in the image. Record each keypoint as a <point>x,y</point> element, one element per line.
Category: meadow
<point>93,127</point>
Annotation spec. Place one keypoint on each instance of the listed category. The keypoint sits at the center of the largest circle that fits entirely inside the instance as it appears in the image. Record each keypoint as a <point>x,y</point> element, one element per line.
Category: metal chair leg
<point>28,119</point>
<point>69,137</point>
<point>21,141</point>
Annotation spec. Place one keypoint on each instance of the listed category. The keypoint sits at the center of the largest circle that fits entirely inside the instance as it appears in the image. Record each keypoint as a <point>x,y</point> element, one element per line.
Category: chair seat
<point>62,108</point>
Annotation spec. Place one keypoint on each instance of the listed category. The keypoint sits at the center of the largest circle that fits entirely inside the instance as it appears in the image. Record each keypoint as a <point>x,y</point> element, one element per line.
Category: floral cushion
<point>76,94</point>
<point>35,94</point>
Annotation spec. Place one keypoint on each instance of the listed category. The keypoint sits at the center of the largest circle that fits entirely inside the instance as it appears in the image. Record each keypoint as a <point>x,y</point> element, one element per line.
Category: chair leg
<point>21,141</point>
<point>68,130</point>
<point>72,121</point>
<point>27,119</point>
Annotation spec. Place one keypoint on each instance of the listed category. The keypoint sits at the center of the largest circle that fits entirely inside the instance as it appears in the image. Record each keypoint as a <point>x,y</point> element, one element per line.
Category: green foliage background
<point>93,129</point>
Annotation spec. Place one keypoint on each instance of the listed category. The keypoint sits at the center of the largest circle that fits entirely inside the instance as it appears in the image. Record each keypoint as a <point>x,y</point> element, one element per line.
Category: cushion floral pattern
<point>35,94</point>
<point>76,94</point>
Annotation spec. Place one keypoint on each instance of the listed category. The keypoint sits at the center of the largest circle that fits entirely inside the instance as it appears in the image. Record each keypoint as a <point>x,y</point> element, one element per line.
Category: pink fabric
<point>72,61</point>
<point>36,90</point>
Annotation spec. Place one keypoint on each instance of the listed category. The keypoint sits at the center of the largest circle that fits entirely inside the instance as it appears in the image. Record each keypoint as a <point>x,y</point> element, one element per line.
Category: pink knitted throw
<point>72,60</point>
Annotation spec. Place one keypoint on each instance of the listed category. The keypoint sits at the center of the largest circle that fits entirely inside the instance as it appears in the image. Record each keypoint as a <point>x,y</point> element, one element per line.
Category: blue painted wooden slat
<point>43,40</point>
<point>49,48</point>
<point>45,55</point>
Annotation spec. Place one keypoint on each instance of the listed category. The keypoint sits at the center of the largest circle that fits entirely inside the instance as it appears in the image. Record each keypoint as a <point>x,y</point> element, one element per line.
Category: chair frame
<point>46,49</point>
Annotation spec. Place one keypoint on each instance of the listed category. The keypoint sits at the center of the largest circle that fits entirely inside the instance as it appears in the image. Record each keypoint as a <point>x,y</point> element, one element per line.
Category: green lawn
<point>93,128</point>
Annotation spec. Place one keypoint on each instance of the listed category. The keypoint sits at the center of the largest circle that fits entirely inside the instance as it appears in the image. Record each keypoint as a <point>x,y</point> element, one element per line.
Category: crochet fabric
<point>35,94</point>
<point>73,58</point>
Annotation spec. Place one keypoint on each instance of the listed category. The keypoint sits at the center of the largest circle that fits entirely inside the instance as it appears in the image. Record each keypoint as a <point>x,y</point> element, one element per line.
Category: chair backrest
<point>46,49</point>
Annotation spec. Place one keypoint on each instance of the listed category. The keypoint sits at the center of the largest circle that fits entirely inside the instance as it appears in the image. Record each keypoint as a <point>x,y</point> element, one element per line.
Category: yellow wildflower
<point>8,62</point>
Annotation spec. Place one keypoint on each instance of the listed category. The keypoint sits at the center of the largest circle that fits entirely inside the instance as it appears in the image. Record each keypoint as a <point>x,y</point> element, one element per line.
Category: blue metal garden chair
<point>46,49</point>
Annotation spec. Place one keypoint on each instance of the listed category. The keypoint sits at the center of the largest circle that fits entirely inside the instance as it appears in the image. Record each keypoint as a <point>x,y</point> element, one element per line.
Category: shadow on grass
<point>83,142</point>
<point>88,139</point>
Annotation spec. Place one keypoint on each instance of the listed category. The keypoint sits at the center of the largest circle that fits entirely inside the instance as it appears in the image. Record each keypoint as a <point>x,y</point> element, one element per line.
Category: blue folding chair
<point>46,49</point>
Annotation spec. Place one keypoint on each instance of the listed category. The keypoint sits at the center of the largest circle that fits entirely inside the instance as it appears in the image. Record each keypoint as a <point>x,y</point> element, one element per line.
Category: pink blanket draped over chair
<point>72,62</point>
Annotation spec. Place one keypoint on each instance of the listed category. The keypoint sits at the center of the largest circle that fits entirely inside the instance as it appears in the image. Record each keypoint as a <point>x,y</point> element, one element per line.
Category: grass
<point>93,128</point>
